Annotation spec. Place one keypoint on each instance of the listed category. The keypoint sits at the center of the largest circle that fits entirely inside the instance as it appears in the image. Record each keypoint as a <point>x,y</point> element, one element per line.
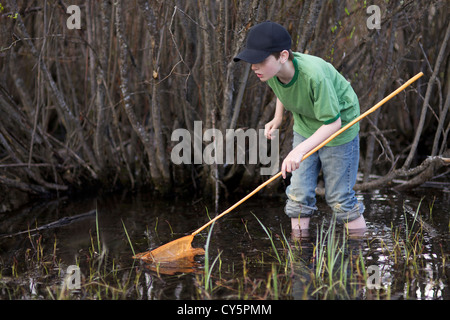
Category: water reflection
<point>184,265</point>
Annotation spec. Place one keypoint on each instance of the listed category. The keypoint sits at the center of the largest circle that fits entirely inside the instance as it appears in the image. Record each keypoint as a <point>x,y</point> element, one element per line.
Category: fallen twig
<point>55,224</point>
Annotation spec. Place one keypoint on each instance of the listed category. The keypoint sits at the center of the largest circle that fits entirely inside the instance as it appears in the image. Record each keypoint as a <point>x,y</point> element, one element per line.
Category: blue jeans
<point>339,165</point>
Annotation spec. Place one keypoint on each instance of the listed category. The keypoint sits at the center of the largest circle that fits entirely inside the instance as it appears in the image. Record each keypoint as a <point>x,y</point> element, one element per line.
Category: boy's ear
<point>284,56</point>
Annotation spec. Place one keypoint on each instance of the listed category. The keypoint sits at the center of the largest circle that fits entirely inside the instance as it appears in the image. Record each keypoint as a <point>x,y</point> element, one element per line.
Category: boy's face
<point>267,69</point>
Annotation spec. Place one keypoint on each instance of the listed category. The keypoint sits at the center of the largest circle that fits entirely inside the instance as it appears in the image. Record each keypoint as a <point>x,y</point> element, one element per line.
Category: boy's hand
<point>292,161</point>
<point>270,127</point>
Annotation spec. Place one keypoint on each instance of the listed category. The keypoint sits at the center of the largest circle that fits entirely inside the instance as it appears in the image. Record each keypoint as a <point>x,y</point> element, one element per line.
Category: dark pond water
<point>251,252</point>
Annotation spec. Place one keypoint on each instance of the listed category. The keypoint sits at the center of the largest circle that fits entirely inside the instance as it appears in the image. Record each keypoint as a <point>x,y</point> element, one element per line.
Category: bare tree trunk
<point>381,93</point>
<point>419,129</point>
<point>229,117</point>
<point>138,128</point>
<point>208,76</point>
<point>100,99</point>
<point>311,13</point>
<point>157,122</point>
<point>440,127</point>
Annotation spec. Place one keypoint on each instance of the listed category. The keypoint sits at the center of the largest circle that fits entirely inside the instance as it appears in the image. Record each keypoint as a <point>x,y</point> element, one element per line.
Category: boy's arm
<point>293,159</point>
<point>276,122</point>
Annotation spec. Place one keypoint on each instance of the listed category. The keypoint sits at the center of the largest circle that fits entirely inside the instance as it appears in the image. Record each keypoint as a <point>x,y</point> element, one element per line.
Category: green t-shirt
<point>318,94</point>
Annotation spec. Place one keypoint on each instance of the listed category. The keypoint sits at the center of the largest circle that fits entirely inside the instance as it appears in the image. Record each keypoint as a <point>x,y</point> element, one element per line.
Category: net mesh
<point>172,251</point>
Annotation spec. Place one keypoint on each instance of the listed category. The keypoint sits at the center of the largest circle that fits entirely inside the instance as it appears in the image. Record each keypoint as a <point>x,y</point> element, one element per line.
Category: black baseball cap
<point>262,40</point>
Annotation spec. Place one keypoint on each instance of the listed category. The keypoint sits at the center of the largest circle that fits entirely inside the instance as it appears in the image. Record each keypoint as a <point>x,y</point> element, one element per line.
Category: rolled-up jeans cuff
<point>348,216</point>
<point>294,209</point>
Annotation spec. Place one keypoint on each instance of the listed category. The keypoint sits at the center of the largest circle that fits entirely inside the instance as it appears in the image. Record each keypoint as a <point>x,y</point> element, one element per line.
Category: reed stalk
<point>269,235</point>
<point>208,269</point>
<point>128,238</point>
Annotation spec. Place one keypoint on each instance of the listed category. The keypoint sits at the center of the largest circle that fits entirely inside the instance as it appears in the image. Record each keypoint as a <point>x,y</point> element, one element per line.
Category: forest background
<point>93,109</point>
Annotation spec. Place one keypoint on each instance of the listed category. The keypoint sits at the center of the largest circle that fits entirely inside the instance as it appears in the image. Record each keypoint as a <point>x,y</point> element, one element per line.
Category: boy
<point>321,101</point>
